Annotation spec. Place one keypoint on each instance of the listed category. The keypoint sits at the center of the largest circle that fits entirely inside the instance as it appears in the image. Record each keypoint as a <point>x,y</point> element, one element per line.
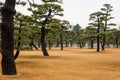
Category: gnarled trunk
<point>43,44</point>
<point>32,44</point>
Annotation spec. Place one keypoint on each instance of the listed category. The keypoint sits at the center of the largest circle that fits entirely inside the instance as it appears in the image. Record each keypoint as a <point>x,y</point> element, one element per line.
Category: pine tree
<point>44,13</point>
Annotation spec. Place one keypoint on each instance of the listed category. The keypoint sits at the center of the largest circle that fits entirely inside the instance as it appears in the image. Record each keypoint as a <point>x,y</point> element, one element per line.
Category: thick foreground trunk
<point>7,40</point>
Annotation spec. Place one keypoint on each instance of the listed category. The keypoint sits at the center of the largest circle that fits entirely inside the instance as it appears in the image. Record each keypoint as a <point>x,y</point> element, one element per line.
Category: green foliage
<point>41,11</point>
<point>96,16</point>
<point>23,48</point>
<point>107,8</point>
<point>58,1</point>
<point>101,34</point>
<point>24,29</point>
<point>76,29</point>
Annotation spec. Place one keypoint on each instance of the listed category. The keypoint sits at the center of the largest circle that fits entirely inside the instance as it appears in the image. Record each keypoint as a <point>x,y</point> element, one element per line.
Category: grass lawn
<point>69,64</point>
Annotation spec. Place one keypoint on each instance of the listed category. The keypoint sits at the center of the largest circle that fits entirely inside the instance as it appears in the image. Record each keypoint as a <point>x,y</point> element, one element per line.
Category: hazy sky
<point>78,11</point>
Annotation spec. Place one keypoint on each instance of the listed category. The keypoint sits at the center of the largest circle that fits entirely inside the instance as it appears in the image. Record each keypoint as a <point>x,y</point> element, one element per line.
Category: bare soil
<point>69,64</point>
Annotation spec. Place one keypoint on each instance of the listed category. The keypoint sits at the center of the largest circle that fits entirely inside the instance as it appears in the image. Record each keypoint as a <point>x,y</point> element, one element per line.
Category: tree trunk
<point>61,40</point>
<point>117,41</point>
<point>57,44</point>
<point>39,44</point>
<point>18,50</point>
<point>98,47</point>
<point>43,34</point>
<point>98,40</point>
<point>32,44</point>
<point>108,45</point>
<point>92,43</point>
<point>35,46</point>
<point>98,37</point>
<point>66,42</point>
<point>103,44</point>
<point>71,44</point>
<point>104,41</point>
<point>80,44</point>
<point>7,38</point>
<point>17,54</point>
<point>49,42</point>
<point>43,44</point>
<point>19,43</point>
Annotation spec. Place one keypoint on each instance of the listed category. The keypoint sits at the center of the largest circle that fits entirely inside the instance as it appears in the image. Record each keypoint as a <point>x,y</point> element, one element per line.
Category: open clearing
<point>70,64</point>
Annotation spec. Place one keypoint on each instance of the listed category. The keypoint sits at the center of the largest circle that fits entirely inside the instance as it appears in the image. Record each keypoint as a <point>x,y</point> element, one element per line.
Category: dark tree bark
<point>98,41</point>
<point>104,38</point>
<point>35,46</point>
<point>49,42</point>
<point>32,44</point>
<point>39,44</point>
<point>61,40</point>
<point>57,43</point>
<point>43,44</point>
<point>98,37</point>
<point>71,44</point>
<point>103,45</point>
<point>66,42</point>
<point>117,40</point>
<point>7,39</point>
<point>19,43</point>
<point>17,54</point>
<point>80,44</point>
<point>92,43</point>
<point>43,34</point>
<point>107,9</point>
<point>18,50</point>
<point>108,45</point>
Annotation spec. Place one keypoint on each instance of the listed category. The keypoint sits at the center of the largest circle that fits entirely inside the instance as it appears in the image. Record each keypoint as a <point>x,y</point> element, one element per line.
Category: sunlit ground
<point>70,64</point>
